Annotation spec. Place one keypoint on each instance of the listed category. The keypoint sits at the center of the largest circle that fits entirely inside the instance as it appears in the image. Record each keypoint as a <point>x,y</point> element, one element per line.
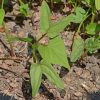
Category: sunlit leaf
<point>97,4</point>
<point>13,38</point>
<point>2,13</point>
<point>91,28</point>
<point>36,75</point>
<point>77,48</point>
<point>24,9</point>
<point>55,52</point>
<point>92,44</point>
<point>79,15</point>
<point>44,17</point>
<point>59,26</point>
<point>51,74</point>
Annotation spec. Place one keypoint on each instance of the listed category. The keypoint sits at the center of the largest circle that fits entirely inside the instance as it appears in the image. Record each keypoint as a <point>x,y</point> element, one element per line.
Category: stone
<point>9,62</point>
<point>78,94</point>
<point>78,71</point>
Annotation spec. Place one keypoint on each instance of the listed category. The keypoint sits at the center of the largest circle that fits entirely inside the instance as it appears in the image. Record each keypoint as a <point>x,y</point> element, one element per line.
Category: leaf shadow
<point>6,97</point>
<point>93,96</point>
<point>46,92</point>
<point>63,72</point>
<point>27,90</point>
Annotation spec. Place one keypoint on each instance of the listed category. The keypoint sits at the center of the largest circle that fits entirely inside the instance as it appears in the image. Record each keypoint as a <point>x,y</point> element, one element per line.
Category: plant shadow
<point>63,72</point>
<point>93,96</point>
<point>27,91</point>
<point>46,92</point>
<point>6,97</point>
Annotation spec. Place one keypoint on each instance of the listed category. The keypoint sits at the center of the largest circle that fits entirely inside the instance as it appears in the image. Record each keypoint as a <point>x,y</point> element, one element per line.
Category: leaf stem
<point>42,37</point>
<point>92,18</point>
<point>85,17</point>
<point>2,4</point>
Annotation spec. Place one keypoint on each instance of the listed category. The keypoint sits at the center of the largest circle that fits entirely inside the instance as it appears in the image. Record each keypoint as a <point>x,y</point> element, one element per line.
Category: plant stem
<point>7,35</point>
<point>85,17</point>
<point>41,37</point>
<point>2,4</point>
<point>93,17</point>
<point>6,47</point>
<point>35,58</point>
<point>21,2</point>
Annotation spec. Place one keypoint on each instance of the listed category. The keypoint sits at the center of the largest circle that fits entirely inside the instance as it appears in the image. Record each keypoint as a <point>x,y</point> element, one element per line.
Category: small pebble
<point>9,62</point>
<point>78,94</point>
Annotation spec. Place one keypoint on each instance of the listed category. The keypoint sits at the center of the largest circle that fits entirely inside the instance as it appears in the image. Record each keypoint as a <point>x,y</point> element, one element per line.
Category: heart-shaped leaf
<point>54,52</point>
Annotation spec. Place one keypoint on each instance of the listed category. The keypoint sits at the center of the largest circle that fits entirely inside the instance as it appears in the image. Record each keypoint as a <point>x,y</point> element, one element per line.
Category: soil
<point>81,82</point>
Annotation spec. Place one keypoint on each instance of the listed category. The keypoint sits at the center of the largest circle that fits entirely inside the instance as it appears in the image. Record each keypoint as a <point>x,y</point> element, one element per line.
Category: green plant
<point>2,13</point>
<point>91,44</point>
<point>51,49</point>
<point>23,8</point>
<point>50,46</point>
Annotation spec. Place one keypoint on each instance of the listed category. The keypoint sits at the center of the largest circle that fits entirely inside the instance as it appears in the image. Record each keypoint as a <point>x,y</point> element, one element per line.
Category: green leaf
<point>55,52</point>
<point>51,74</point>
<point>92,44</point>
<point>79,15</point>
<point>86,2</point>
<point>26,39</point>
<point>24,9</point>
<point>44,17</point>
<point>59,26</point>
<point>97,4</point>
<point>90,29</point>
<point>97,28</point>
<point>90,3</point>
<point>13,38</point>
<point>80,10</point>
<point>77,48</point>
<point>36,75</point>
<point>2,13</point>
